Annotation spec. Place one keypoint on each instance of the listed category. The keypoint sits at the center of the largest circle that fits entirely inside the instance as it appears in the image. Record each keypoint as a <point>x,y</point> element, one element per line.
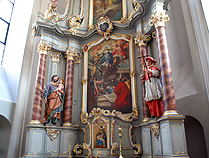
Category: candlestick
<point>120,131</point>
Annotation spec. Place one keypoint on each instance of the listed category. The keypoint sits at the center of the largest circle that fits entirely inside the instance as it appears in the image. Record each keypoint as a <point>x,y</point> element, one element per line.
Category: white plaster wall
<point>191,41</point>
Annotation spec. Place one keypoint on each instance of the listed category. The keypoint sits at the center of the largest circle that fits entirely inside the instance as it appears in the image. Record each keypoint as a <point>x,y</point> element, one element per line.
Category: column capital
<point>56,56</point>
<point>158,18</point>
<point>72,54</point>
<point>43,48</point>
<point>141,39</point>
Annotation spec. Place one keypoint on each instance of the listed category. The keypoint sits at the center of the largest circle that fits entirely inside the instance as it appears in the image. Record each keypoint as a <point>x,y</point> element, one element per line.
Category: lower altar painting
<point>100,132</point>
<point>109,82</point>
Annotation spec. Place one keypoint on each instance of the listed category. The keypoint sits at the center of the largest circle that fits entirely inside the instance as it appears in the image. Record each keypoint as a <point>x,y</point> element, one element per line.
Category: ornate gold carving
<point>90,27</point>
<point>52,14</point>
<point>77,57</point>
<point>137,147</point>
<point>43,48</point>
<point>142,39</point>
<point>155,130</point>
<point>71,54</point>
<point>158,19</point>
<point>52,133</point>
<point>137,6</point>
<point>84,116</point>
<point>104,27</point>
<point>56,56</point>
<point>114,113</point>
<point>123,19</point>
<point>75,20</point>
<point>78,149</point>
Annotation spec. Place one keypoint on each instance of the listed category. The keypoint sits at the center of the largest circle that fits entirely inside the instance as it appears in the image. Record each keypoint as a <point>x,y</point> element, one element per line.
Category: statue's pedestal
<point>50,141</point>
<point>164,137</point>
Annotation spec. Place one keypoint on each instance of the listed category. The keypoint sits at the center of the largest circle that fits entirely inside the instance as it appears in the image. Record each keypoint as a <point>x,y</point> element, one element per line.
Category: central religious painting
<point>110,8</point>
<point>109,82</point>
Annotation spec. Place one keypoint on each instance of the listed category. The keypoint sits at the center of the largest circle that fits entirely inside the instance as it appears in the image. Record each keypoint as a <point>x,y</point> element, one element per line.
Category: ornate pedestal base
<point>164,137</point>
<point>50,141</point>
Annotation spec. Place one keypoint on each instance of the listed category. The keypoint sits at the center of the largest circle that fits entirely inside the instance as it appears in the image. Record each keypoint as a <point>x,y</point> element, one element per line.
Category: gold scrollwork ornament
<point>137,147</point>
<point>155,130</point>
<point>78,149</point>
<point>53,134</point>
<point>136,6</point>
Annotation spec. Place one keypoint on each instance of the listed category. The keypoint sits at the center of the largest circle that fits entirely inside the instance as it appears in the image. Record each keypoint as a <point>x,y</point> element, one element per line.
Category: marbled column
<point>167,80</point>
<point>158,19</point>
<point>68,89</point>
<point>39,88</point>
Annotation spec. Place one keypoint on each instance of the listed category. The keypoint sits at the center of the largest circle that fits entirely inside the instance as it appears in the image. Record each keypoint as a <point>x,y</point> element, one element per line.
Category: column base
<point>67,124</point>
<point>35,122</point>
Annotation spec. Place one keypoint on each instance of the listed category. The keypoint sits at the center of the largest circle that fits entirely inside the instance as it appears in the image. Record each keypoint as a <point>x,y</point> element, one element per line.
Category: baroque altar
<point>94,49</point>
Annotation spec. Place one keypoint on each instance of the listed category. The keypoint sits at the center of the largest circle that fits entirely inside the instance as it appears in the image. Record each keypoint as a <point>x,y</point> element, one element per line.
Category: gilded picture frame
<point>92,14</point>
<point>85,113</point>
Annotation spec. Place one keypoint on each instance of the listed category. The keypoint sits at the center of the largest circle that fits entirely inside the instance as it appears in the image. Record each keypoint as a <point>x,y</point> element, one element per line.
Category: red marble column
<point>39,87</point>
<point>146,113</point>
<point>67,120</point>
<point>158,19</point>
<point>166,74</point>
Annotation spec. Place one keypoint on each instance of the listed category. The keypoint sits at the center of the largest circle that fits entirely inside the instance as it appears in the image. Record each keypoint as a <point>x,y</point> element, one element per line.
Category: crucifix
<point>142,60</point>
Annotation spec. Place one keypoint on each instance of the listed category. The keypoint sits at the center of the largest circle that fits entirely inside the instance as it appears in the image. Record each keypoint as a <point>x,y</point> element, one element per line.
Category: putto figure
<point>153,90</point>
<point>53,98</point>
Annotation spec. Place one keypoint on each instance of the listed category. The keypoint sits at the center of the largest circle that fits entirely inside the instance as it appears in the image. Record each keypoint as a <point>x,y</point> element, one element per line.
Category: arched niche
<point>5,132</point>
<point>195,137</point>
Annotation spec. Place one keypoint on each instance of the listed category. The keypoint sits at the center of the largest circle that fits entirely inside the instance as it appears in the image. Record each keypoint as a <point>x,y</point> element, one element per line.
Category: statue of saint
<point>53,98</point>
<point>101,139</point>
<point>153,90</point>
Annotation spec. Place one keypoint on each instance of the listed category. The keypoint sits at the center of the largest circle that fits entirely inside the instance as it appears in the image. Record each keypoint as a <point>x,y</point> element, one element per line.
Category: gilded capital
<point>69,54</point>
<point>43,48</point>
<point>158,19</point>
<point>73,55</point>
<point>142,39</point>
<point>56,56</point>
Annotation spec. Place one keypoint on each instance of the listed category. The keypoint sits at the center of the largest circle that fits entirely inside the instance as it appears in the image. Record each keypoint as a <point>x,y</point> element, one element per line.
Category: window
<point>205,4</point>
<point>6,8</point>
